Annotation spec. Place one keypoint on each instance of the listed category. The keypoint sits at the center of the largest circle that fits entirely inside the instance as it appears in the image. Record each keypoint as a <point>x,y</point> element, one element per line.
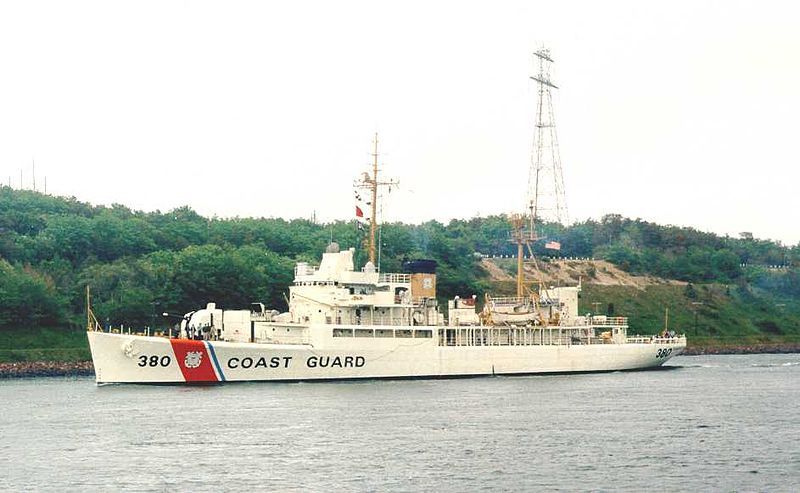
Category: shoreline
<point>761,348</point>
<point>33,369</point>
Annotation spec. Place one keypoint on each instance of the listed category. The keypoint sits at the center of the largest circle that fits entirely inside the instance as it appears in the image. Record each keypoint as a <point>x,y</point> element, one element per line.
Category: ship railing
<point>597,322</point>
<point>417,301</point>
<point>509,300</point>
<point>394,321</point>
<point>656,340</point>
<point>608,321</point>
<point>394,278</point>
<point>134,331</point>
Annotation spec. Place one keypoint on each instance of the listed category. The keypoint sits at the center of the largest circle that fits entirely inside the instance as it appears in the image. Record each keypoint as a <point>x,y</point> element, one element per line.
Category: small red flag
<point>359,212</point>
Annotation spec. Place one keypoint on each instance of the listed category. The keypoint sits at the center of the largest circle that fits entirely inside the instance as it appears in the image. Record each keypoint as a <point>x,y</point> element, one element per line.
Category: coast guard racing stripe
<point>194,361</point>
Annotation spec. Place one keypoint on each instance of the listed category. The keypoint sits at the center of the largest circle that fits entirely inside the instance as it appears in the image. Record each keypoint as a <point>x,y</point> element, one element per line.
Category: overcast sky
<point>678,112</point>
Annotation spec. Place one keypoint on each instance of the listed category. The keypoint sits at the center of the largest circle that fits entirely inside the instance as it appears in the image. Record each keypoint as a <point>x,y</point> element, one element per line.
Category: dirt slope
<point>566,272</point>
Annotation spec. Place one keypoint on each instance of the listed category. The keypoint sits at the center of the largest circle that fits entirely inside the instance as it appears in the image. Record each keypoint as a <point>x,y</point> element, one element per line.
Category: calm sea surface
<point>707,423</point>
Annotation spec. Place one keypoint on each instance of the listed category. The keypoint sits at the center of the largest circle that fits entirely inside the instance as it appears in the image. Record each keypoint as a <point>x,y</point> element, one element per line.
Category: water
<point>708,423</point>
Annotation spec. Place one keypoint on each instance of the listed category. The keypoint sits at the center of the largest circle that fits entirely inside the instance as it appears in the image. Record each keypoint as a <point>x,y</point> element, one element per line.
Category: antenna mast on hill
<point>545,196</point>
<point>546,200</point>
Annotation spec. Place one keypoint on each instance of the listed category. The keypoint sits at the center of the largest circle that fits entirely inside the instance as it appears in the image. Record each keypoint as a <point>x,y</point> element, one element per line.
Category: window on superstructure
<point>403,333</point>
<point>364,333</point>
<point>342,332</point>
<point>423,334</point>
<point>384,333</point>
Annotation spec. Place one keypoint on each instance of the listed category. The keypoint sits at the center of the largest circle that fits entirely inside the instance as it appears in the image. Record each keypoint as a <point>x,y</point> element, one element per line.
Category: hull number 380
<point>145,360</point>
<point>663,353</point>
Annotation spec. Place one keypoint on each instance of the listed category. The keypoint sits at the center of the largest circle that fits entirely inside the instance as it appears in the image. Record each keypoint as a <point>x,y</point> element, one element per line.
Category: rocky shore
<point>46,369</point>
<point>775,348</point>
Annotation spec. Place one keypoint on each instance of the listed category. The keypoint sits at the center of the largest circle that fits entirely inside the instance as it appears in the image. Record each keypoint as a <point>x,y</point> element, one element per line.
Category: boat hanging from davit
<point>348,323</point>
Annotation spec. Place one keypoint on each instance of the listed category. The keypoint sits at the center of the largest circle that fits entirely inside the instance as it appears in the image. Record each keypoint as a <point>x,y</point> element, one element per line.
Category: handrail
<point>508,300</point>
<point>394,278</point>
<point>604,321</point>
<point>655,340</point>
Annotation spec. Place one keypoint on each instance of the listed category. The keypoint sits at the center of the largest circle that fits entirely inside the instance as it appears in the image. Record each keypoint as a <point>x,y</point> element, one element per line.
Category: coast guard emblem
<point>193,359</point>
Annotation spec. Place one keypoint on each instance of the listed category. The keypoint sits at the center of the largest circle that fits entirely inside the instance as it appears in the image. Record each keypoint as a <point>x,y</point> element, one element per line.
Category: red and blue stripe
<point>208,369</point>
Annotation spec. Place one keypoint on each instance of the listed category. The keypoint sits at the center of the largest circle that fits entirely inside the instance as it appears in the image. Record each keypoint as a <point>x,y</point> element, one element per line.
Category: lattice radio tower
<point>546,200</point>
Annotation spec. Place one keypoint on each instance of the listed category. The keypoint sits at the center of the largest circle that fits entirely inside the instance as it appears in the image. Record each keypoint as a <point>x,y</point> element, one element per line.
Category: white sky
<point>680,113</point>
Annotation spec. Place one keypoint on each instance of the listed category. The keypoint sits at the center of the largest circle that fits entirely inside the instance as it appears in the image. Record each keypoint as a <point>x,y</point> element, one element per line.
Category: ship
<point>345,323</point>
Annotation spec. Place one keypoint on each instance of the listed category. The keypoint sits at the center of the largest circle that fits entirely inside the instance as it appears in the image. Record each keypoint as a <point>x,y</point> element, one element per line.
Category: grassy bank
<point>43,344</point>
<point>712,316</point>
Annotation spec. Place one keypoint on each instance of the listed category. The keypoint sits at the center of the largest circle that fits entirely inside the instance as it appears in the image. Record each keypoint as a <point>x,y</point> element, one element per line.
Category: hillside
<point>563,272</point>
<point>711,314</point>
<point>140,264</point>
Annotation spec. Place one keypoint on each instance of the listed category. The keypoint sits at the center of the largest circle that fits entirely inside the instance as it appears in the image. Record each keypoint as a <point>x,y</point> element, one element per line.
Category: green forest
<point>140,264</point>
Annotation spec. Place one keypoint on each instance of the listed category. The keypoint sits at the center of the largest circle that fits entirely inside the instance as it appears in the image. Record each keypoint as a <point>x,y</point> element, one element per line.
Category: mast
<point>372,183</point>
<point>88,309</point>
<point>374,201</point>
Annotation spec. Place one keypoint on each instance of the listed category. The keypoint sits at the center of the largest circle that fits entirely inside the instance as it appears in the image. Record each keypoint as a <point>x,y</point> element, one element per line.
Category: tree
<point>28,298</point>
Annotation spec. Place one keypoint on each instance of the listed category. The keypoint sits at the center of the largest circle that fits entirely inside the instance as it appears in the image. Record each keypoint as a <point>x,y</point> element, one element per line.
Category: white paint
<point>384,358</point>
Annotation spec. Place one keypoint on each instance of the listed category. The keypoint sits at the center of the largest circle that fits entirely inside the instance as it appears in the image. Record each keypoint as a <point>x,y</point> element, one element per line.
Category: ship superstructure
<point>346,323</point>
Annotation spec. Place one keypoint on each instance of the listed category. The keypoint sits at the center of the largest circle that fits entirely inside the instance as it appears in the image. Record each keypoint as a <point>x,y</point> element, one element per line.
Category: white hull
<point>120,358</point>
